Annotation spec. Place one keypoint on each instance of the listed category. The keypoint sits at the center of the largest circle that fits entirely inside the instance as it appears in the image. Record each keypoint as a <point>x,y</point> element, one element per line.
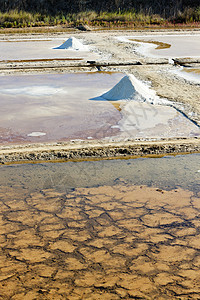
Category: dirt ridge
<point>96,150</point>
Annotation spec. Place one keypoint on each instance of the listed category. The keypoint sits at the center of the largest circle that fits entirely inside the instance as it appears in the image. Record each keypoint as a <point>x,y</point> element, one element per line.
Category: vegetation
<point>39,13</point>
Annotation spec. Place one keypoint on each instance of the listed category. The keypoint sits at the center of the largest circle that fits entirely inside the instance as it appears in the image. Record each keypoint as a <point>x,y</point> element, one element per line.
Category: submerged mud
<point>106,242</point>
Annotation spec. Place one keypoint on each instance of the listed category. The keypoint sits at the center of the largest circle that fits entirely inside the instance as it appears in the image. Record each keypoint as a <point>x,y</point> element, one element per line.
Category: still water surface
<point>61,107</point>
<point>171,46</point>
<point>116,229</point>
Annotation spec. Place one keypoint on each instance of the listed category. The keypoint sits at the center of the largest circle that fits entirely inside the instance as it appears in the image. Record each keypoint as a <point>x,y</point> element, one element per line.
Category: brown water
<point>189,73</point>
<point>192,70</point>
<point>101,230</point>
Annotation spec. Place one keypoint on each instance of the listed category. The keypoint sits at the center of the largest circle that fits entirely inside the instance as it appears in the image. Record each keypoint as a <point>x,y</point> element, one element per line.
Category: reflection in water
<point>108,241</point>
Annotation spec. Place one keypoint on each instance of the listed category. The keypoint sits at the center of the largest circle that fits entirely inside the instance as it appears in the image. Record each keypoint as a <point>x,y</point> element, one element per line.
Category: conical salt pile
<point>73,44</point>
<point>129,87</point>
<point>124,89</point>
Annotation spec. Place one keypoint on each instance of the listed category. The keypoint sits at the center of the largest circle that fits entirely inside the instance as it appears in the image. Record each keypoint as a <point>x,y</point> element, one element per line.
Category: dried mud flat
<point>139,242</point>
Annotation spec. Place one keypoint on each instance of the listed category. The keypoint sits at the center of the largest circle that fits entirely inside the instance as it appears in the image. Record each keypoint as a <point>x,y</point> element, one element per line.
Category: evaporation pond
<point>169,46</point>
<point>56,107</point>
<point>101,230</point>
<point>61,107</point>
<point>34,49</point>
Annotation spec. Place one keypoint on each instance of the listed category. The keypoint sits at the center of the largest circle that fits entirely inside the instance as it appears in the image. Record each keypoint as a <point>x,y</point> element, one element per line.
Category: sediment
<point>84,150</point>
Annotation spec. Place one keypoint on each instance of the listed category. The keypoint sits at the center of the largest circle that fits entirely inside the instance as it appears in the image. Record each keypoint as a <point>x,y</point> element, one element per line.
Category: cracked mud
<point>106,242</point>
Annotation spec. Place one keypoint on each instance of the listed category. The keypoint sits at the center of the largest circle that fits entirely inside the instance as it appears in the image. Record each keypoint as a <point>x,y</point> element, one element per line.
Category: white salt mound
<point>124,89</point>
<point>73,44</point>
<point>36,134</point>
<point>130,88</point>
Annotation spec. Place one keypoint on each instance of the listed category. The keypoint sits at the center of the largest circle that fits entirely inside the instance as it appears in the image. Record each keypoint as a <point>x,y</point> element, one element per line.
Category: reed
<point>131,18</point>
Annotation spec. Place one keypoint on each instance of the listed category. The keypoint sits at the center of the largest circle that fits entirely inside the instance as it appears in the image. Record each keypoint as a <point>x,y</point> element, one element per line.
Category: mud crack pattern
<point>107,242</point>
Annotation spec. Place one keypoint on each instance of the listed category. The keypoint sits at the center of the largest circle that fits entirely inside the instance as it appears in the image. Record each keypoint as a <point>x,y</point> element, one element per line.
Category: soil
<point>89,150</point>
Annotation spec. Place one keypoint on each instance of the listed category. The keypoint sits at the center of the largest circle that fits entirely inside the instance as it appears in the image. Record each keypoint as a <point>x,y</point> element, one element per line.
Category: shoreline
<point>96,150</point>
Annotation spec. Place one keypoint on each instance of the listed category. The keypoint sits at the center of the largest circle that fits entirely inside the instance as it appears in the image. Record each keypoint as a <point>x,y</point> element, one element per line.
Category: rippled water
<point>101,230</point>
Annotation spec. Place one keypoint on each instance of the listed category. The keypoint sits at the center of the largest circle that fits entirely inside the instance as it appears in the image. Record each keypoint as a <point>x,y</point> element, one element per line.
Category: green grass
<point>22,19</point>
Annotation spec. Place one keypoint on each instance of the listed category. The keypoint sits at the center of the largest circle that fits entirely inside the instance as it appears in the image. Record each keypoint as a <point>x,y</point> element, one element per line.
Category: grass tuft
<point>132,18</point>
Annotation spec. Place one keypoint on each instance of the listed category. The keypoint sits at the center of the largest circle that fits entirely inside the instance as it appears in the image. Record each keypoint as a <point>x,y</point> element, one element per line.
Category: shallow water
<point>49,108</point>
<point>57,106</point>
<point>101,230</point>
<point>40,49</point>
<point>181,45</point>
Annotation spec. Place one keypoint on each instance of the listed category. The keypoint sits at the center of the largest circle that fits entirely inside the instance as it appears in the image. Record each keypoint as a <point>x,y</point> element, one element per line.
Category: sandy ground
<point>122,57</point>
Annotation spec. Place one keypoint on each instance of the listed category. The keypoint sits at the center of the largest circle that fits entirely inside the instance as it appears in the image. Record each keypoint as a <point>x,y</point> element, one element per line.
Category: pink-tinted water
<point>41,108</point>
<point>60,107</point>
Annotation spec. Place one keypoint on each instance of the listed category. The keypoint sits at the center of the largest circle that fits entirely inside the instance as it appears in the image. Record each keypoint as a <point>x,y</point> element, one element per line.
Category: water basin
<point>60,107</point>
<point>166,45</point>
<point>40,49</point>
<point>100,229</point>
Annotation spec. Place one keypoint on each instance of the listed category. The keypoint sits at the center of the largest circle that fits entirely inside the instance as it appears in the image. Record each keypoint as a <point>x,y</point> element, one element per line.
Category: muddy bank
<point>96,150</point>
